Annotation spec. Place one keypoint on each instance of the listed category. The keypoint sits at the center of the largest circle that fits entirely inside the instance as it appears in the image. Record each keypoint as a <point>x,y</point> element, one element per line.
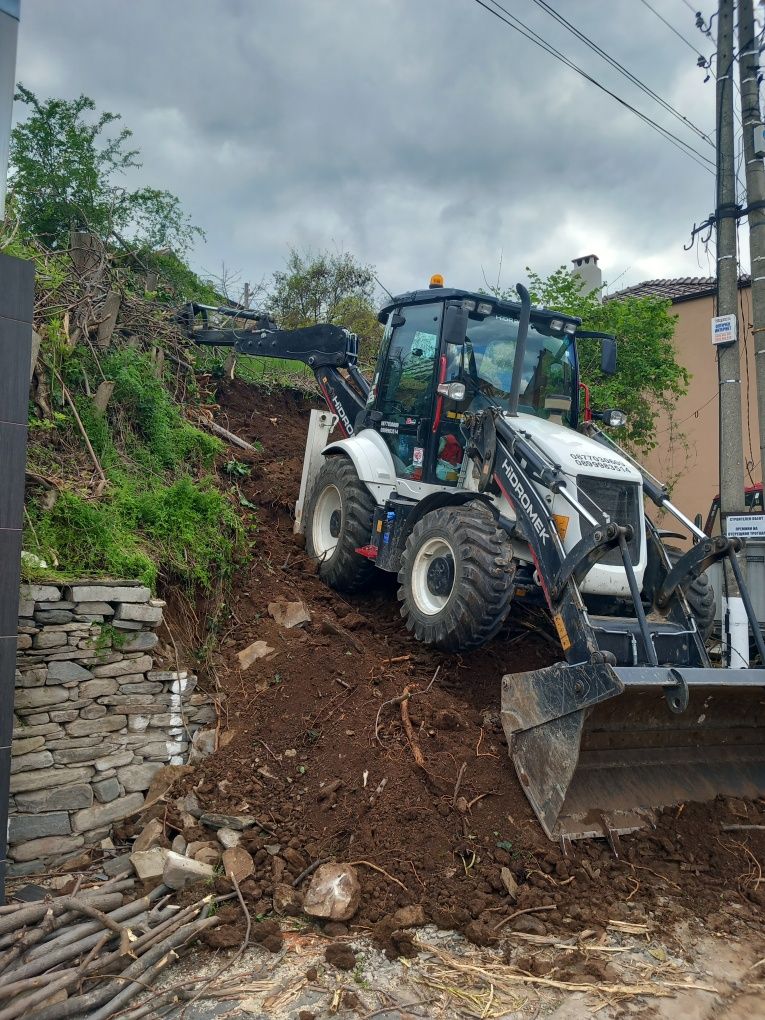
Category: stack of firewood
<point>91,952</point>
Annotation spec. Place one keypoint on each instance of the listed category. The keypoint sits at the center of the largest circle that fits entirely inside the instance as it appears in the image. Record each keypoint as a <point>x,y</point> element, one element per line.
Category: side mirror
<point>397,320</point>
<point>608,355</point>
<point>455,324</point>
<point>452,391</point>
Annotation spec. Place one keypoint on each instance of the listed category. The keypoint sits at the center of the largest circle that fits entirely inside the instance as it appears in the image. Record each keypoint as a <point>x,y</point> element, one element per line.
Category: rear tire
<point>338,522</point>
<point>699,595</point>
<point>456,578</point>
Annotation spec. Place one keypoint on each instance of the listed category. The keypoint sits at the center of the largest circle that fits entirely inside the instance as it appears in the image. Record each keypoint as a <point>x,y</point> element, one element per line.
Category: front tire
<point>339,521</point>
<point>699,595</point>
<point>456,578</point>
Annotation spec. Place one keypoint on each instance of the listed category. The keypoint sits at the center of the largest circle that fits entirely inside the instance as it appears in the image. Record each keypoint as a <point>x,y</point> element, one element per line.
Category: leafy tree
<point>326,287</point>
<point>64,164</point>
<point>649,378</point>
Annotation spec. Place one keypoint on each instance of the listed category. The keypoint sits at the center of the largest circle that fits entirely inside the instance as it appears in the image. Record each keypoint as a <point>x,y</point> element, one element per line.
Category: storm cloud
<point>422,135</point>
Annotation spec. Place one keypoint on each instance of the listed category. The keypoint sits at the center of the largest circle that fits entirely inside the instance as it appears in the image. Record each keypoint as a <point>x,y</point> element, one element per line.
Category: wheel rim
<point>327,521</point>
<point>433,576</point>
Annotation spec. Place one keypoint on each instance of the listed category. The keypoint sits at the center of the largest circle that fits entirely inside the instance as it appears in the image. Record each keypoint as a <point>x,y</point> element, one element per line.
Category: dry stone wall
<point>93,719</point>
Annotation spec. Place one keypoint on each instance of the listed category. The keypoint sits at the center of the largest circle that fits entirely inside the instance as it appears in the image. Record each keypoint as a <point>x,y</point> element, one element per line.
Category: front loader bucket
<point>597,748</point>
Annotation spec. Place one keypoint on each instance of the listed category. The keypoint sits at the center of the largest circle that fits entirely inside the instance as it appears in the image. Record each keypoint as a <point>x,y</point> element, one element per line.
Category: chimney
<point>587,267</point>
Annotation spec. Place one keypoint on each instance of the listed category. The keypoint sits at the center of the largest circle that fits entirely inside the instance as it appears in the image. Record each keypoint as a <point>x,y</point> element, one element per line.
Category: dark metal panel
<point>15,355</point>
<point>7,683</point>
<point>13,454</point>
<point>10,564</point>
<point>17,289</point>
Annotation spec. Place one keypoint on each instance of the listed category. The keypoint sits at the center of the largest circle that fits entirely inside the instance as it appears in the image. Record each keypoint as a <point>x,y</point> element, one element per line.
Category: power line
<point>512,22</point>
<point>672,29</point>
<point>583,37</point>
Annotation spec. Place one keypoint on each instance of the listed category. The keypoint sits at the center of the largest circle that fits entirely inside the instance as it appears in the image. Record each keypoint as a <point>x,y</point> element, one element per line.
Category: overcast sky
<point>421,135</point>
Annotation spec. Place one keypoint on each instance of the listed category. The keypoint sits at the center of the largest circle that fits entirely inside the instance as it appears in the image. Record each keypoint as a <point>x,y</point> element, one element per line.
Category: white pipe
<point>737,632</point>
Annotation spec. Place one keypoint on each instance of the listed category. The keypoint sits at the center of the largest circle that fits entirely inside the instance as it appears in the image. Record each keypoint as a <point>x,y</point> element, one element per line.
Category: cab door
<point>403,410</point>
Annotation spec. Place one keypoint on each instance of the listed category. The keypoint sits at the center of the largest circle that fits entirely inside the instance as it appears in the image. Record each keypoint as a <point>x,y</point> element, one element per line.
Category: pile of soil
<point>318,754</point>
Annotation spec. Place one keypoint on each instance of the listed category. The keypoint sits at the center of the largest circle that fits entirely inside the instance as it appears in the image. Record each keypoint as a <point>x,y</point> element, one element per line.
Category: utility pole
<point>748,67</point>
<point>728,359</point>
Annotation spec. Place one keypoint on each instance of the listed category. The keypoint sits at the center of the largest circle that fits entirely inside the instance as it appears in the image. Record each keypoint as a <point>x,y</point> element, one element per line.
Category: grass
<point>162,513</point>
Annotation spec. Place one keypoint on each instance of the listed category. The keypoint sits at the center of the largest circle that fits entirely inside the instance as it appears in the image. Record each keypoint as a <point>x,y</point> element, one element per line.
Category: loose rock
<point>334,893</point>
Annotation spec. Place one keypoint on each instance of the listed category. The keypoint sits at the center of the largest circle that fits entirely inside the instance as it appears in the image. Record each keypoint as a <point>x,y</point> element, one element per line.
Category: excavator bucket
<point>599,748</point>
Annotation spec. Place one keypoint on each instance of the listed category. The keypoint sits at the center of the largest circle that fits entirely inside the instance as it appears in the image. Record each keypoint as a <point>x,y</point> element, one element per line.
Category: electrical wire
<point>583,37</point>
<point>672,29</point>
<point>512,22</point>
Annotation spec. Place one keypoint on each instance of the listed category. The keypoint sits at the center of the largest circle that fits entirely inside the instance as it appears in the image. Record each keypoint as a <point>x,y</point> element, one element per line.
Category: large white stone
<point>334,893</point>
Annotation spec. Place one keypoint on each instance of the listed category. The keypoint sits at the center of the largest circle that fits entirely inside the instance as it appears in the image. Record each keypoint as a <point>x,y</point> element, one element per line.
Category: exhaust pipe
<point>520,349</point>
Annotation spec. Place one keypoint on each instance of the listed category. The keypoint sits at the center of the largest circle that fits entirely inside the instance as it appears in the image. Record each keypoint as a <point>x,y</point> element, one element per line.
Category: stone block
<point>28,868</point>
<point>40,593</point>
<point>64,742</point>
<point>94,609</point>
<point>181,872</point>
<point>107,790</point>
<point>138,777</point>
<point>68,716</point>
<point>97,688</point>
<point>78,755</point>
<point>88,727</point>
<point>128,625</point>
<point>149,863</point>
<point>152,834</point>
<point>66,671</point>
<point>23,641</point>
<point>237,863</point>
<point>141,641</point>
<point>142,687</point>
<point>31,717</point>
<point>115,866</point>
<point>46,616</point>
<point>140,613</point>
<point>107,593</point>
<point>93,712</point>
<point>24,745</point>
<point>49,639</point>
<point>24,827</point>
<point>105,814</point>
<point>88,618</point>
<point>137,723</point>
<point>48,729</point>
<point>114,761</point>
<point>35,760</point>
<point>41,779</point>
<point>26,608</point>
<point>203,715</point>
<point>65,798</point>
<point>161,751</point>
<point>48,846</point>
<point>61,604</point>
<point>124,666</point>
<point>39,697</point>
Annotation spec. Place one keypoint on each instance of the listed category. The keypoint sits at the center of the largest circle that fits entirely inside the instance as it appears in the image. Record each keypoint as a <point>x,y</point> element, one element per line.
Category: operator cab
<point>447,353</point>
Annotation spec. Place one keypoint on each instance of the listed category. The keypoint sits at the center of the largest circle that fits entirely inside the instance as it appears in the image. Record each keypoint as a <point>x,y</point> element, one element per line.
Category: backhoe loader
<point>469,469</point>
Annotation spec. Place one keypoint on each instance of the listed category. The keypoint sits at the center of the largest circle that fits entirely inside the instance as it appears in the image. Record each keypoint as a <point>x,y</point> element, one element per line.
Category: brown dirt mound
<point>319,754</point>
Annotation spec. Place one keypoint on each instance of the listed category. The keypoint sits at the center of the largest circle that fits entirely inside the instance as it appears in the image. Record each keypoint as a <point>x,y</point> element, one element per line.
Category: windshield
<point>549,377</point>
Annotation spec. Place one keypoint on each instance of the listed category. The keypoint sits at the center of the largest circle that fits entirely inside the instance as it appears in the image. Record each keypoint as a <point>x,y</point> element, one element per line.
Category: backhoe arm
<point>330,351</point>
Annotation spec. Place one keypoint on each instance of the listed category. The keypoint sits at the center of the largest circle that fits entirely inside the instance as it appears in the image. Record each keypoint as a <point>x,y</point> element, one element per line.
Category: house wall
<point>687,454</point>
